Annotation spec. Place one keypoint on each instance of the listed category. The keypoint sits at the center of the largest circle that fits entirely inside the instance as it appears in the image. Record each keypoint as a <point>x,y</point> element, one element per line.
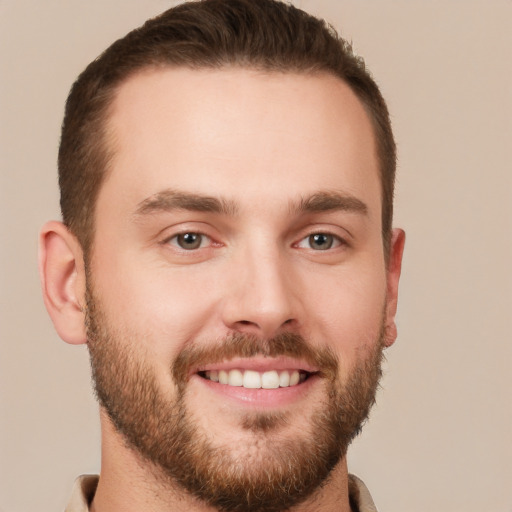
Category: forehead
<point>240,133</point>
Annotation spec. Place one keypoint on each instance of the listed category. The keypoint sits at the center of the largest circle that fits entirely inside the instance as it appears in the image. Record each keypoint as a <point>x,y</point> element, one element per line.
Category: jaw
<point>247,443</point>
<point>122,469</point>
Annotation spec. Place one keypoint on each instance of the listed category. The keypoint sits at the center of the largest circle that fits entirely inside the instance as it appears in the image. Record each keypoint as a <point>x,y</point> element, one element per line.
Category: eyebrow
<point>322,201</point>
<point>326,201</point>
<point>168,200</point>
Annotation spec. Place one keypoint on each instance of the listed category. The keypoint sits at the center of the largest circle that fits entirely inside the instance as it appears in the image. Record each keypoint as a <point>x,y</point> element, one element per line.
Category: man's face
<point>237,284</point>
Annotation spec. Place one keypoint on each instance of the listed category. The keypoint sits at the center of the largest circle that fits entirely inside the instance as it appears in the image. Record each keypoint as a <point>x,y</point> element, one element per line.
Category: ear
<point>62,274</point>
<point>393,277</point>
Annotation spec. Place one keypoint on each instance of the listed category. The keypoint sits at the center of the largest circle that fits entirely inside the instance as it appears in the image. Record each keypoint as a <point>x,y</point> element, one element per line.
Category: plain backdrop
<point>440,437</point>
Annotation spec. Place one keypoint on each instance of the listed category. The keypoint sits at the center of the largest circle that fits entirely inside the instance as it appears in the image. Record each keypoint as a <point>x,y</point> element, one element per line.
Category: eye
<point>320,242</point>
<point>189,241</point>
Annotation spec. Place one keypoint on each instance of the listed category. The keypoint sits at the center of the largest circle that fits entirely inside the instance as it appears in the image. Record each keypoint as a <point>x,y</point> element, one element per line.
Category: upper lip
<point>259,364</point>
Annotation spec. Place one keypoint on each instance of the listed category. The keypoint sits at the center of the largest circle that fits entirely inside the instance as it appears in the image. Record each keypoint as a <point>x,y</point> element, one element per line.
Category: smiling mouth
<point>251,379</point>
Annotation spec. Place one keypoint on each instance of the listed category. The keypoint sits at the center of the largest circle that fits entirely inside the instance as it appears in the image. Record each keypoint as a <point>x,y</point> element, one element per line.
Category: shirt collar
<point>85,487</point>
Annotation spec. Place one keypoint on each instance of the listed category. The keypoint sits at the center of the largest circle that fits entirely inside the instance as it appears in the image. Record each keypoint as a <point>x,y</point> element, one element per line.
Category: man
<point>226,252</point>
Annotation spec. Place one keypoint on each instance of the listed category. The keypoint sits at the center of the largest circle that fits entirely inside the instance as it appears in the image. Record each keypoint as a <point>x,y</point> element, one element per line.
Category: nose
<point>261,297</point>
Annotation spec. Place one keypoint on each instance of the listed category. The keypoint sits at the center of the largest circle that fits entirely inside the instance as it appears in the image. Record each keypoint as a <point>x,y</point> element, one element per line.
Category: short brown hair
<point>263,34</point>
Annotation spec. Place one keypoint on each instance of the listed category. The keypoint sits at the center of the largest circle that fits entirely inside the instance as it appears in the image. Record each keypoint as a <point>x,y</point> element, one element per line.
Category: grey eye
<point>189,241</point>
<point>321,241</point>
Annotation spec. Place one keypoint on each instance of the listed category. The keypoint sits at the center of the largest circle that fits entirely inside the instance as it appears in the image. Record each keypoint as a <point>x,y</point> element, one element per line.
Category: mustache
<point>239,345</point>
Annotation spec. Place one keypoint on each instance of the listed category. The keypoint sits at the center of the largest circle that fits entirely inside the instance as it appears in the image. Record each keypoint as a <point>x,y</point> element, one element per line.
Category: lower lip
<point>260,398</point>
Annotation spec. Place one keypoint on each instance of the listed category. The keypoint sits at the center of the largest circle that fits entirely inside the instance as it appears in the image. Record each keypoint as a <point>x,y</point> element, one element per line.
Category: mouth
<point>263,383</point>
<point>253,379</point>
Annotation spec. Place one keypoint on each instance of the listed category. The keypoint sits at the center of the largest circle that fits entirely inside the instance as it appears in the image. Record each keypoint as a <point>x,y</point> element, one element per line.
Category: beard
<point>273,472</point>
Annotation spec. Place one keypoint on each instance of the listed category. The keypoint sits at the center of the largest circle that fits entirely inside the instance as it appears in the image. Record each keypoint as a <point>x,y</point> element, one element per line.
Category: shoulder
<point>82,493</point>
<point>360,498</point>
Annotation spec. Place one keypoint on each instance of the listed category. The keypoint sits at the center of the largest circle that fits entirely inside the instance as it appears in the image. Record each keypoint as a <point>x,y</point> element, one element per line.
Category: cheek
<point>161,307</point>
<point>349,312</point>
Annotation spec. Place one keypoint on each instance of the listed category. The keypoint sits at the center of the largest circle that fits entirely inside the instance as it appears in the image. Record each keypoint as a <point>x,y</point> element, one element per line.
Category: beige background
<point>440,438</point>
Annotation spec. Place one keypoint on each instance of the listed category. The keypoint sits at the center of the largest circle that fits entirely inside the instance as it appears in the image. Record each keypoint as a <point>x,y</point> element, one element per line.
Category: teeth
<point>284,379</point>
<point>252,380</point>
<point>236,378</point>
<point>270,380</point>
<point>294,378</point>
<point>255,380</point>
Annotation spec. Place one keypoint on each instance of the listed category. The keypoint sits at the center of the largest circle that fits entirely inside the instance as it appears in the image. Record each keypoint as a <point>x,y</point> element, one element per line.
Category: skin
<point>260,142</point>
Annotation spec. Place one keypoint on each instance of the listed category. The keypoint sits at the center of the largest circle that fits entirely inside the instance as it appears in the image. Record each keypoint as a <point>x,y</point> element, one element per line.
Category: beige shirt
<point>85,487</point>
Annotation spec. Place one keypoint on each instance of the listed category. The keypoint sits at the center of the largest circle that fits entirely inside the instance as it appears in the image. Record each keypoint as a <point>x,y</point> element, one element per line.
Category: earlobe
<point>62,274</point>
<point>393,277</point>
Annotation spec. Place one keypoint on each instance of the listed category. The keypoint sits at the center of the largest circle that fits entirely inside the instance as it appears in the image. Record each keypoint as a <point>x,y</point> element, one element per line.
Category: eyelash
<point>333,241</point>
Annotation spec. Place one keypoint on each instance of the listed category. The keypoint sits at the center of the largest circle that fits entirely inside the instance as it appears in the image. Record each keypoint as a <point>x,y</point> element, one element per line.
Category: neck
<point>128,483</point>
